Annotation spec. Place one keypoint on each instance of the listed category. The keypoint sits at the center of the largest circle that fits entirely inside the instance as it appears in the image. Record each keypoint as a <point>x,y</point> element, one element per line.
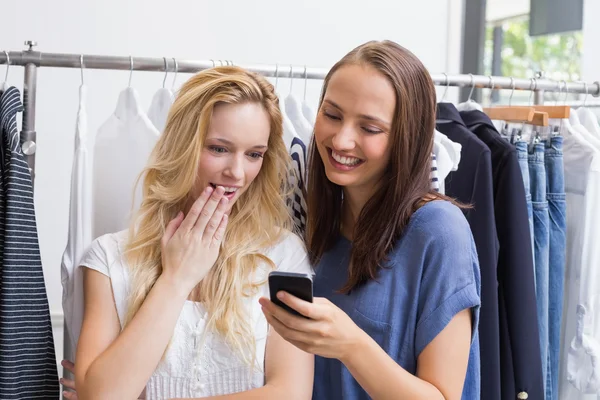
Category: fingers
<point>68,365</point>
<point>284,331</point>
<point>215,221</point>
<point>218,236</point>
<point>289,320</point>
<point>67,383</point>
<point>208,211</point>
<point>305,308</point>
<point>70,395</point>
<point>192,215</point>
<point>170,230</point>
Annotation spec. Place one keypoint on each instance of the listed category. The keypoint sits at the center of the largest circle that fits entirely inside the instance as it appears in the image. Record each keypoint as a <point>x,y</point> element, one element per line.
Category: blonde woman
<point>171,305</point>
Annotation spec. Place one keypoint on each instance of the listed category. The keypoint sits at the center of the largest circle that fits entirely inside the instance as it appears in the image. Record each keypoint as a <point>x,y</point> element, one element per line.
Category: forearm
<point>266,392</point>
<point>382,378</point>
<point>123,370</point>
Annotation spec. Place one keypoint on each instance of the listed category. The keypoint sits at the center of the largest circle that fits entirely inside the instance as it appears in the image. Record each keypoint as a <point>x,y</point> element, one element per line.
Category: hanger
<point>522,114</point>
<point>175,75</point>
<point>446,89</point>
<point>470,104</point>
<point>293,109</point>
<point>306,110</point>
<point>4,85</point>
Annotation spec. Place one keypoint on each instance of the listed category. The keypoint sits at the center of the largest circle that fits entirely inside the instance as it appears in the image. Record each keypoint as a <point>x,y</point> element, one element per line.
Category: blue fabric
<point>520,360</point>
<point>555,193</point>
<point>537,176</point>
<point>523,157</point>
<point>431,274</point>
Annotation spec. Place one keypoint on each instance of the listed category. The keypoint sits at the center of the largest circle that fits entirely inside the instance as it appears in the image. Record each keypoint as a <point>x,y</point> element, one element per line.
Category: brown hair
<point>406,183</point>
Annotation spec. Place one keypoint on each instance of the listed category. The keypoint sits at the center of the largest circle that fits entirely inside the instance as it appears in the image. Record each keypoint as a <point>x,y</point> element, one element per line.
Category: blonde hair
<point>257,219</point>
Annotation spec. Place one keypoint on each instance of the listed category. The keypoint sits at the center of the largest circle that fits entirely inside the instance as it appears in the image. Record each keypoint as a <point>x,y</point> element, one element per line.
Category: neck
<point>354,201</point>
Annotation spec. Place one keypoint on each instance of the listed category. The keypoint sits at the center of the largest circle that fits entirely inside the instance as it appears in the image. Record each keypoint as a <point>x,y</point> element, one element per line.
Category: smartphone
<point>296,284</point>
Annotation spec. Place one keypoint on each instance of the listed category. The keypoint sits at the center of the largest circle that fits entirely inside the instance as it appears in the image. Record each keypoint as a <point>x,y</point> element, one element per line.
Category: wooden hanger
<point>554,112</point>
<point>540,118</point>
<point>510,114</point>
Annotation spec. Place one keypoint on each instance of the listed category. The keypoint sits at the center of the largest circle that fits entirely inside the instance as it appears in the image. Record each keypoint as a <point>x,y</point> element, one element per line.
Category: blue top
<point>432,274</point>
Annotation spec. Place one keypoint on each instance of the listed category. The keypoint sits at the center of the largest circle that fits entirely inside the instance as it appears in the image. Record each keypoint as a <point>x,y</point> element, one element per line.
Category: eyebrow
<point>227,142</point>
<point>363,116</point>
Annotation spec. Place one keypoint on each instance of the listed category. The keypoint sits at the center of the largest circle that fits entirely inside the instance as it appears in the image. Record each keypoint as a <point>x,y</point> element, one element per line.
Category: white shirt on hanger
<point>80,231</point>
<point>159,108</point>
<point>123,145</point>
<point>289,132</point>
<point>580,333</point>
<point>293,110</point>
<point>447,155</point>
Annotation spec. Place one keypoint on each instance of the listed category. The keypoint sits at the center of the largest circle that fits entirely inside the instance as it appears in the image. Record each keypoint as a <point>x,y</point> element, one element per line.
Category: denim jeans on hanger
<point>522,155</point>
<point>541,237</point>
<point>555,194</point>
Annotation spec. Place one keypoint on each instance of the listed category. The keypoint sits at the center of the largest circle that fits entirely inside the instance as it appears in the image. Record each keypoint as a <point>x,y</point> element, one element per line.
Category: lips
<point>230,191</point>
<point>343,163</point>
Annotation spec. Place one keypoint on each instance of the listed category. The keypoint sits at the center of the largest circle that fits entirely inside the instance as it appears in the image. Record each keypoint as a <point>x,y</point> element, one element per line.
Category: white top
<point>189,369</point>
<point>447,155</point>
<point>580,333</point>
<point>80,231</point>
<point>159,108</point>
<point>121,150</point>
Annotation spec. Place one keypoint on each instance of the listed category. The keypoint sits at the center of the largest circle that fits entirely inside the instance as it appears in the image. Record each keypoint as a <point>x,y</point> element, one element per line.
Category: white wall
<point>311,32</point>
<point>590,68</point>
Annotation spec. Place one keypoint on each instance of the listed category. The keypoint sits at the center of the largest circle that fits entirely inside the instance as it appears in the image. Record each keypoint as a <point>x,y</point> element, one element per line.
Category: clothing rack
<point>31,60</point>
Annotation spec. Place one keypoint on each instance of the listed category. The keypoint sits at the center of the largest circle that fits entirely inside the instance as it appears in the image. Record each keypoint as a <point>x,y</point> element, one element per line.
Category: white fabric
<point>580,331</point>
<point>589,120</point>
<point>293,110</point>
<point>159,108</point>
<point>122,147</point>
<point>447,155</point>
<point>80,230</point>
<point>289,132</point>
<point>193,367</point>
<point>308,113</point>
<point>469,105</point>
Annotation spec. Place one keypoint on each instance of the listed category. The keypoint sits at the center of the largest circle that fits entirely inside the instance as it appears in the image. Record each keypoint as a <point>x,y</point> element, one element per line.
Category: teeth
<point>227,188</point>
<point>345,160</point>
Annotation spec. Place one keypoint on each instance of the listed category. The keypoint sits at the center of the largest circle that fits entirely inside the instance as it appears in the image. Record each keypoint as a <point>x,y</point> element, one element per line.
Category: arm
<point>441,366</point>
<point>114,364</point>
<point>288,372</point>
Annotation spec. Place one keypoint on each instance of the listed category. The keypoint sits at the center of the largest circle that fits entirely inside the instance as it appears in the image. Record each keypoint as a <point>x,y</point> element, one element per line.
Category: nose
<point>344,139</point>
<point>235,168</point>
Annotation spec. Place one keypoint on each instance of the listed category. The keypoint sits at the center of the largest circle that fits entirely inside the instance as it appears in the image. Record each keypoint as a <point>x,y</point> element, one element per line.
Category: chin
<point>340,179</point>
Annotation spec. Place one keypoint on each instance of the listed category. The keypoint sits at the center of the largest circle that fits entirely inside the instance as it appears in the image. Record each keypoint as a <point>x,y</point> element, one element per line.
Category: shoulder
<point>439,219</point>
<point>105,251</point>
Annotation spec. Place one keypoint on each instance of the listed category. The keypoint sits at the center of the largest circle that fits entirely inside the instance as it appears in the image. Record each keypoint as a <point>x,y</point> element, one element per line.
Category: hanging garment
<point>123,144</point>
<point>541,238</point>
<point>159,108</point>
<point>435,180</point>
<point>579,374</point>
<point>557,211</point>
<point>520,359</point>
<point>27,358</point>
<point>308,113</point>
<point>80,231</point>
<point>447,155</point>
<point>297,203</point>
<point>293,110</point>
<point>472,184</point>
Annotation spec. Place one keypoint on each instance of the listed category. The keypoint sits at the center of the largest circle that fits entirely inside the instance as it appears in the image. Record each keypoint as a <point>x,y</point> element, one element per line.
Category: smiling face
<point>352,129</point>
<point>234,148</point>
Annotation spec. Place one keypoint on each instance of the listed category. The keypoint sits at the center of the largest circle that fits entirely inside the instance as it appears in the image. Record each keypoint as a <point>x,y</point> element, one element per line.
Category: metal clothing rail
<point>31,60</point>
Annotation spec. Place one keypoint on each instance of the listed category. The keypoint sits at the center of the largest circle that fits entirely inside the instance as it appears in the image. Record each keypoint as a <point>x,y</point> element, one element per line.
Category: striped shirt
<point>27,359</point>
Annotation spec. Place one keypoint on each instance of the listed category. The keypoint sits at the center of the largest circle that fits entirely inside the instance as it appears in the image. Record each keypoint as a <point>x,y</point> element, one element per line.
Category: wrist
<point>174,286</point>
<point>356,348</point>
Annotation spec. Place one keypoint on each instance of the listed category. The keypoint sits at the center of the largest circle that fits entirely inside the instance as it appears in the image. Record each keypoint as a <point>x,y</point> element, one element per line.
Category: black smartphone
<point>296,284</point>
